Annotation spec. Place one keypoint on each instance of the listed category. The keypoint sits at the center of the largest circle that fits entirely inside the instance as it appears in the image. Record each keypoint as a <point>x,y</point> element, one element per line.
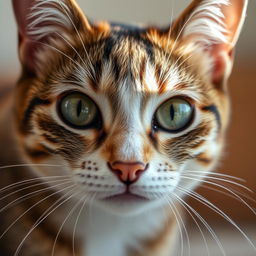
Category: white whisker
<point>28,165</point>
<point>182,223</point>
<point>219,179</point>
<point>28,181</point>
<point>80,38</point>
<point>29,195</point>
<point>213,207</point>
<point>217,174</point>
<point>72,47</point>
<point>76,222</point>
<point>168,40</point>
<point>223,187</point>
<point>34,205</point>
<point>65,220</point>
<point>179,225</point>
<point>43,217</point>
<point>204,222</point>
<point>227,194</point>
<point>195,221</point>
<point>31,186</point>
<point>61,52</point>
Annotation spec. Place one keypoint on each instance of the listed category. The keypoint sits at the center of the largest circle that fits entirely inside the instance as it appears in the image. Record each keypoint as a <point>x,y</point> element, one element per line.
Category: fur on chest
<point>113,235</point>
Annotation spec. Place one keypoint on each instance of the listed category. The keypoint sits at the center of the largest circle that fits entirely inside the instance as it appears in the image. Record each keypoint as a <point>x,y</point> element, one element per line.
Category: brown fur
<point>98,58</point>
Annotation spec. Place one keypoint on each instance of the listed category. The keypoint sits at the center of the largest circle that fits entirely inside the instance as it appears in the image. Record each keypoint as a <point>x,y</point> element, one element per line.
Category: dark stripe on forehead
<point>109,44</point>
<point>149,49</point>
<point>97,73</point>
<point>142,70</point>
<point>135,36</point>
<point>116,68</point>
<point>34,103</point>
<point>138,34</point>
<point>213,109</point>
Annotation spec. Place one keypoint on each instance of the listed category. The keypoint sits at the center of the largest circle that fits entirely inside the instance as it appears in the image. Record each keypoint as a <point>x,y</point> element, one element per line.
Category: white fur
<point>206,23</point>
<point>125,231</point>
<point>55,12</point>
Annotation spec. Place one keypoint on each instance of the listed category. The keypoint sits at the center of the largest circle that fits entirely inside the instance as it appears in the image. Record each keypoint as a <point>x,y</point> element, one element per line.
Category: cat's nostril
<point>127,172</point>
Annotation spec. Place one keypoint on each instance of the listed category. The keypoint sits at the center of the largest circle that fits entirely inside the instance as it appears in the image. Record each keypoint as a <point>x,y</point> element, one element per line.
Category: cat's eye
<point>78,110</point>
<point>174,115</point>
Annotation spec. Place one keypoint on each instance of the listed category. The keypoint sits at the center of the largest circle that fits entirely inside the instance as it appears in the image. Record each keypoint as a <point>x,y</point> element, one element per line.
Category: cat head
<point>134,116</point>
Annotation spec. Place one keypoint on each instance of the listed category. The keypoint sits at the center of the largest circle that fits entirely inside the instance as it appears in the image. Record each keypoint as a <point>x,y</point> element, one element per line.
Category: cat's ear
<point>42,21</point>
<point>213,25</point>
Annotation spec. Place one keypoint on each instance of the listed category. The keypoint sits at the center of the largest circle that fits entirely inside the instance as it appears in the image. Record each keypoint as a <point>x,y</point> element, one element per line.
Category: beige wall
<point>144,11</point>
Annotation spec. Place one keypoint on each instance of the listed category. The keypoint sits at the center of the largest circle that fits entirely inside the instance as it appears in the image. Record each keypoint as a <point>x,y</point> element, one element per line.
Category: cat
<point>110,126</point>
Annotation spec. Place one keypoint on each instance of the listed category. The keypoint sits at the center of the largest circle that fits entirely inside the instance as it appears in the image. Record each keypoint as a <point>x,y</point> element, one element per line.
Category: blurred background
<point>240,153</point>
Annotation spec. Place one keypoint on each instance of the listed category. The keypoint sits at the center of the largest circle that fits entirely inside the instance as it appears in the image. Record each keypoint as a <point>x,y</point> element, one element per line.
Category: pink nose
<point>127,172</point>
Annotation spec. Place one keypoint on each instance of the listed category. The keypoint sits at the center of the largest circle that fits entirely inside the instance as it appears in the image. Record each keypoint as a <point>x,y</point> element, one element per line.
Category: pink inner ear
<point>27,47</point>
<point>22,10</point>
<point>222,58</point>
<point>218,70</point>
<point>27,52</point>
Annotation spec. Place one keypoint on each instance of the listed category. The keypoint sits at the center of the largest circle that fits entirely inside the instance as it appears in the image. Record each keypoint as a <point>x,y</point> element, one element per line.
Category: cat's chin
<point>127,204</point>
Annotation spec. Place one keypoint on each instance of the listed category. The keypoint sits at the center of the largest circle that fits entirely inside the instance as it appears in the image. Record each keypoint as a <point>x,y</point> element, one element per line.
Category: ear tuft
<point>214,27</point>
<point>206,23</point>
<point>42,24</point>
<point>48,17</point>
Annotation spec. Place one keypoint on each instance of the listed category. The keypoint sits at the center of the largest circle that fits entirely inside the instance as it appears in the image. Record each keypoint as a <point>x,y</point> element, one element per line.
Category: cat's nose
<point>128,172</point>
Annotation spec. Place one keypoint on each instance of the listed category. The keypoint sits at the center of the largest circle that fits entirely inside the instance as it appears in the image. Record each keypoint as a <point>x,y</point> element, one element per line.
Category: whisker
<point>227,194</point>
<point>31,186</point>
<point>213,207</point>
<point>217,174</point>
<point>177,68</point>
<point>29,195</point>
<point>23,214</point>
<point>77,32</point>
<point>72,47</point>
<point>41,219</point>
<point>28,165</point>
<point>204,222</point>
<point>61,52</point>
<point>223,187</point>
<point>75,226</point>
<point>73,82</point>
<point>179,226</point>
<point>178,36</point>
<point>182,223</point>
<point>65,220</point>
<point>90,203</point>
<point>158,195</point>
<point>168,39</point>
<point>197,224</point>
<point>28,181</point>
<point>220,179</point>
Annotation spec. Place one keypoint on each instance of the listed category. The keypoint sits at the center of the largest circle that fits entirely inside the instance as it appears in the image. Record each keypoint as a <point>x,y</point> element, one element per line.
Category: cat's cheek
<point>53,165</point>
<point>195,170</point>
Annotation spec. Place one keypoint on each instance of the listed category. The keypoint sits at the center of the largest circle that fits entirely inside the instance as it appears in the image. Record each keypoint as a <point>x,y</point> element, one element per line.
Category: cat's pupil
<point>172,112</point>
<point>79,108</point>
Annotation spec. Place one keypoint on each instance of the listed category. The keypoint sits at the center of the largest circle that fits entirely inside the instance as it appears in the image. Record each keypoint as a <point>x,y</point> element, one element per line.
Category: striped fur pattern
<point>128,72</point>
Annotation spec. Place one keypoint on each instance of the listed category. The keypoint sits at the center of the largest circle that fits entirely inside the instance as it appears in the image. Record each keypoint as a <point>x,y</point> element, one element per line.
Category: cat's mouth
<point>126,197</point>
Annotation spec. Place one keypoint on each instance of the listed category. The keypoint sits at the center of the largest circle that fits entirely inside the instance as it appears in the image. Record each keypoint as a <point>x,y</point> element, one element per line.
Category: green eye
<point>78,110</point>
<point>174,115</point>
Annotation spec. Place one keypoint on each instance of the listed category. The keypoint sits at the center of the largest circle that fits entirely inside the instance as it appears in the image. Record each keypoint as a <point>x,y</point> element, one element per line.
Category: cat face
<point>128,113</point>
